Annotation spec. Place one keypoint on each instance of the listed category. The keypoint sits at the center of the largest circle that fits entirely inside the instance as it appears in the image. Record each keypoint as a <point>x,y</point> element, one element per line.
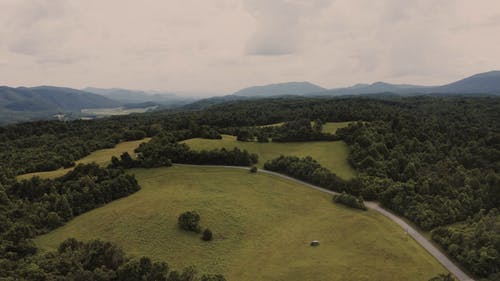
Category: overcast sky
<point>220,46</point>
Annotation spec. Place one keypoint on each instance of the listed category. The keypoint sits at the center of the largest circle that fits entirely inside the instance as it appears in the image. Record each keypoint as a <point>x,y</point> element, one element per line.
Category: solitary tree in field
<point>190,221</point>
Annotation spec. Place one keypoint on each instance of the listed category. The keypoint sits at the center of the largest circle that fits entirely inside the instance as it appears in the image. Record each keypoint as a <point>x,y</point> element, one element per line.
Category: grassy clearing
<point>101,157</point>
<point>262,227</point>
<point>331,127</point>
<point>331,154</point>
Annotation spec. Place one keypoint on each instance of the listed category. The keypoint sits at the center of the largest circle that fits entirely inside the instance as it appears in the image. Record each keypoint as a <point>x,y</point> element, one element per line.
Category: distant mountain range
<point>487,83</point>
<point>281,89</point>
<point>483,83</point>
<point>24,104</point>
<point>47,98</point>
<point>137,96</point>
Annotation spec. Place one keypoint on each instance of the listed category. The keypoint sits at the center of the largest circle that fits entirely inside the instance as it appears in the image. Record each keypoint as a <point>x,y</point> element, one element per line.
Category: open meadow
<point>330,154</point>
<point>262,227</point>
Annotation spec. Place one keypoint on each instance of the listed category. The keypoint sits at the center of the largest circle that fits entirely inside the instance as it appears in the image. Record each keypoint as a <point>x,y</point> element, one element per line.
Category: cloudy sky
<point>219,46</point>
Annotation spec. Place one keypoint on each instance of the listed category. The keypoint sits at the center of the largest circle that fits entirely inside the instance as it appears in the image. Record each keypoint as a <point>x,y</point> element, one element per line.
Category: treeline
<point>102,261</point>
<point>36,206</point>
<point>350,201</point>
<point>291,131</point>
<point>165,149</point>
<point>307,169</point>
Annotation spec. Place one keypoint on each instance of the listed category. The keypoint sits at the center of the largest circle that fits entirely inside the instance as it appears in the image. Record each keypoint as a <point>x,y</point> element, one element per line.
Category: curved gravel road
<point>443,259</point>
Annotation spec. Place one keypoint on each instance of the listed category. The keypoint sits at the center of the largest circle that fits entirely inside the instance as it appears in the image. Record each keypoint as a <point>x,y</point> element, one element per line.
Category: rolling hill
<point>26,104</point>
<point>262,227</point>
<point>482,83</point>
<point>47,98</point>
<point>487,83</point>
<point>137,96</point>
<point>280,89</point>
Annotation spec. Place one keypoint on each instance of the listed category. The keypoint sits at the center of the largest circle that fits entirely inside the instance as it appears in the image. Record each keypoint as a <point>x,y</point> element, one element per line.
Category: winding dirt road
<point>442,258</point>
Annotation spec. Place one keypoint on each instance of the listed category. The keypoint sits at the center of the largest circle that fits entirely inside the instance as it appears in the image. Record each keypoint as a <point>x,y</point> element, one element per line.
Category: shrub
<point>207,235</point>
<point>350,201</point>
<point>253,169</point>
<point>190,221</point>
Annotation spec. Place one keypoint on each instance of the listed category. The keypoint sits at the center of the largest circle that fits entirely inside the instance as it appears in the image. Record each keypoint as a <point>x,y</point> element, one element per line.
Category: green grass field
<point>331,127</point>
<point>330,154</point>
<point>262,227</point>
<point>101,157</point>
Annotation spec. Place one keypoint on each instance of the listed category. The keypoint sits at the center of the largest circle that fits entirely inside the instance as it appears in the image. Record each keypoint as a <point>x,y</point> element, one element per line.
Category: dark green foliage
<point>207,235</point>
<point>306,169</point>
<point>474,243</point>
<point>125,162</point>
<point>300,130</point>
<point>35,206</point>
<point>93,260</point>
<point>244,135</point>
<point>130,135</point>
<point>165,150</point>
<point>189,221</point>
<point>350,201</point>
<point>253,169</point>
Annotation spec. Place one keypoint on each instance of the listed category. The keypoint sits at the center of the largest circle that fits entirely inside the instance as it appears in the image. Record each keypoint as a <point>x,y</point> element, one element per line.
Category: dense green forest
<point>434,160</point>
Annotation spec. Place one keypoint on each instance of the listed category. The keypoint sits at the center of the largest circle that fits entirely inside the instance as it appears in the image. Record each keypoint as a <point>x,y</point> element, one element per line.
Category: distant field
<point>330,154</point>
<point>101,157</point>
<point>262,226</point>
<point>328,127</point>
<point>331,127</point>
<point>272,125</point>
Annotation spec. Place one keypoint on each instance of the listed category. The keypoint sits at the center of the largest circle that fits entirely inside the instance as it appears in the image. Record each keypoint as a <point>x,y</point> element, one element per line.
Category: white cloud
<point>223,45</point>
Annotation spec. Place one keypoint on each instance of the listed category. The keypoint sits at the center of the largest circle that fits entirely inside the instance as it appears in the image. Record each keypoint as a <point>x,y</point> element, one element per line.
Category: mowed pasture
<point>330,154</point>
<point>262,227</point>
<point>101,157</point>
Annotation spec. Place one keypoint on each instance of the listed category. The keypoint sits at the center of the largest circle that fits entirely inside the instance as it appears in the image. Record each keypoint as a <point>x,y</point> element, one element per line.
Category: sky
<point>220,46</point>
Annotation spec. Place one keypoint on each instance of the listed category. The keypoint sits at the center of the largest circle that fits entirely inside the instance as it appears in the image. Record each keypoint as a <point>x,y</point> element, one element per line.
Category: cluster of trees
<point>437,163</point>
<point>190,221</point>
<point>104,261</point>
<point>301,130</point>
<point>307,169</point>
<point>163,151</point>
<point>474,243</point>
<point>36,206</point>
<point>350,201</point>
<point>291,131</point>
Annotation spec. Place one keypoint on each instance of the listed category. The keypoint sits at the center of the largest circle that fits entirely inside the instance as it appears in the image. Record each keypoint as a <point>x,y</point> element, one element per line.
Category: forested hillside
<point>435,161</point>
